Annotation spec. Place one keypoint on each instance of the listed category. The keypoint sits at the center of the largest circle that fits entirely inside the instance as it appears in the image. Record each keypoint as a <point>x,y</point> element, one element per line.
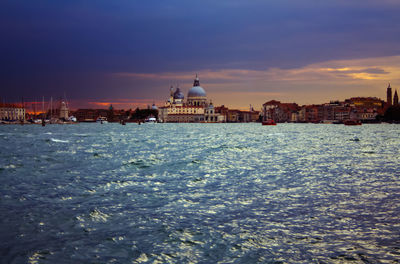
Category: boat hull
<point>269,123</point>
<point>352,123</point>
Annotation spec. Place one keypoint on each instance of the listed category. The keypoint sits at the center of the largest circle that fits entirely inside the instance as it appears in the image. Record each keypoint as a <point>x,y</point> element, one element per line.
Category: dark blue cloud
<point>73,45</point>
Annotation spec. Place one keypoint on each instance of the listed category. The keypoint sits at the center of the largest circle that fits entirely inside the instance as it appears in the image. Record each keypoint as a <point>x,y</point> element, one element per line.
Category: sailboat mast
<point>43,107</point>
<point>66,101</point>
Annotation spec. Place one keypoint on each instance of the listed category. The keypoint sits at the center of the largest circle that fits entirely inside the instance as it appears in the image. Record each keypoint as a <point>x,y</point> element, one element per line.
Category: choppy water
<point>201,193</point>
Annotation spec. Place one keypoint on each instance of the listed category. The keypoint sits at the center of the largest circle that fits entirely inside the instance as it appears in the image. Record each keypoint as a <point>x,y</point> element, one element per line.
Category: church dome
<point>196,91</point>
<point>178,94</point>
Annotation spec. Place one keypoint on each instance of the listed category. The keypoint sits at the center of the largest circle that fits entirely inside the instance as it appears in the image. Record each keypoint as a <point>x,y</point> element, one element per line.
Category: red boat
<point>352,123</point>
<point>269,122</point>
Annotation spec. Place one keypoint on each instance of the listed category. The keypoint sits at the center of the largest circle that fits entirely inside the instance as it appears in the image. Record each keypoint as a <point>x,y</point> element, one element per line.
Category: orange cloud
<point>382,68</point>
<point>121,103</point>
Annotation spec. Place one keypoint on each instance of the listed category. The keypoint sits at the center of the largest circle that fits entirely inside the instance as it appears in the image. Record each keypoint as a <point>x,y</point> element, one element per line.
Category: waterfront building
<point>365,108</point>
<point>233,116</point>
<point>311,113</point>
<point>90,115</point>
<point>12,112</point>
<point>241,116</point>
<point>249,116</point>
<point>364,114</point>
<point>194,109</point>
<point>342,113</point>
<point>365,102</point>
<point>329,111</point>
<point>223,111</point>
<point>211,115</point>
<point>279,112</point>
<point>294,117</point>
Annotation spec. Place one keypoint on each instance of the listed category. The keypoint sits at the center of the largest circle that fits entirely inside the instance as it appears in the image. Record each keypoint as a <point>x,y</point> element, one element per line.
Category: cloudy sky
<point>129,52</point>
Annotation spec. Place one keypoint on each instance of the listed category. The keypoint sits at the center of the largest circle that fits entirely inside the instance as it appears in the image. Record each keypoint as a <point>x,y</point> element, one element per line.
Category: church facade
<point>196,108</point>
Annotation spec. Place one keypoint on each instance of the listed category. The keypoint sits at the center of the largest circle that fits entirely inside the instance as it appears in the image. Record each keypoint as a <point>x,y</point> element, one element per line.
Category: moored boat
<point>102,120</point>
<point>269,122</point>
<point>352,123</point>
<point>151,119</point>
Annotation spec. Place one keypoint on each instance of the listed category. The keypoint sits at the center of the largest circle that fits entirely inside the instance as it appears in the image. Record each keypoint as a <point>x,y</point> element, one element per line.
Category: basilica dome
<point>196,91</point>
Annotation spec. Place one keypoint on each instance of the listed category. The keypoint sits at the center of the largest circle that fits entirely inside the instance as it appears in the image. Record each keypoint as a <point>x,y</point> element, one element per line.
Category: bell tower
<point>389,95</point>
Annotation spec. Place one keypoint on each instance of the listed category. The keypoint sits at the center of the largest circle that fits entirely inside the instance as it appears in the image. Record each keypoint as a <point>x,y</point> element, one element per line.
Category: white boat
<point>150,120</point>
<point>72,119</point>
<point>102,120</point>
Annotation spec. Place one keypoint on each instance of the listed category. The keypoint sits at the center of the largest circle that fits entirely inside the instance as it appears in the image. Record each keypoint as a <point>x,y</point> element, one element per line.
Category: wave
<point>59,140</point>
<point>81,135</point>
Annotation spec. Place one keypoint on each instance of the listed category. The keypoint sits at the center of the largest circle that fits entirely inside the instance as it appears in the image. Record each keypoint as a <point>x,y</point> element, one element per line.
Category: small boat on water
<point>352,123</point>
<point>72,119</point>
<point>102,120</point>
<point>269,122</point>
<point>151,120</point>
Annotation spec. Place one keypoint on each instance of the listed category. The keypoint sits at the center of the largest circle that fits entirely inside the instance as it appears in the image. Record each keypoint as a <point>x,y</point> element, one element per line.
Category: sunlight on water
<point>179,193</point>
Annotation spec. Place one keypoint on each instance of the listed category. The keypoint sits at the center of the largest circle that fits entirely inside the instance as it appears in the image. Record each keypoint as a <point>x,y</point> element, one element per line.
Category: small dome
<point>154,107</point>
<point>196,91</point>
<point>178,94</point>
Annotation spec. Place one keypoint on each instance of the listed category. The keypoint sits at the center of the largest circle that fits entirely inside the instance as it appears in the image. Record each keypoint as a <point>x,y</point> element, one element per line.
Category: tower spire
<point>395,98</point>
<point>389,95</point>
<point>196,81</point>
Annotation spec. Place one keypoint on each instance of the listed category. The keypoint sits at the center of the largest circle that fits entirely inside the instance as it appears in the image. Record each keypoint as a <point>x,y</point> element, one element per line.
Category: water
<point>200,193</point>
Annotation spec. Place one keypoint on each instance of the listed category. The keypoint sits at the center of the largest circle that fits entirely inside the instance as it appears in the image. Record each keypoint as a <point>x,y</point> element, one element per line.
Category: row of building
<point>365,109</point>
<point>12,112</point>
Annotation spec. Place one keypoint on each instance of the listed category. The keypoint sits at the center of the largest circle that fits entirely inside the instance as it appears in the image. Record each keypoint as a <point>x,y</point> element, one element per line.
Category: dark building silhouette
<point>389,95</point>
<point>395,99</point>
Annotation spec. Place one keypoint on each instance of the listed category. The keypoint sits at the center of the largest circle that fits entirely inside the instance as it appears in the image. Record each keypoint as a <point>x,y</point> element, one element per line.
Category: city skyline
<point>129,53</point>
<point>52,103</point>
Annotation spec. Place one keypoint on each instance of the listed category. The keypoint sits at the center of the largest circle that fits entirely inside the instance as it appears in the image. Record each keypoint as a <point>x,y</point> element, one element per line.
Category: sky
<point>128,53</point>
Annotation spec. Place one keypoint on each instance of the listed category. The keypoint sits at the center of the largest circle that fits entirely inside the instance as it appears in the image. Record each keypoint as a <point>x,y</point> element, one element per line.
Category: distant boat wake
<point>59,140</point>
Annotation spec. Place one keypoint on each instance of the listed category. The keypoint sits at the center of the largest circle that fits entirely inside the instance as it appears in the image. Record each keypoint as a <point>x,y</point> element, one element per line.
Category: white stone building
<point>12,112</point>
<point>195,109</point>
